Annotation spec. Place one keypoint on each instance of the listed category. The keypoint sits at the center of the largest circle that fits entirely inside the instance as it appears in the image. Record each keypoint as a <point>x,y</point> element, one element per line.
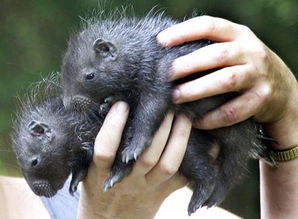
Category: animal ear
<point>37,128</point>
<point>105,49</point>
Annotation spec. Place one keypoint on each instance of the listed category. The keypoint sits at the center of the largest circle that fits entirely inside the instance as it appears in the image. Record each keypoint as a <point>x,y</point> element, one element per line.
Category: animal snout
<point>43,188</point>
<point>81,102</point>
<point>77,102</point>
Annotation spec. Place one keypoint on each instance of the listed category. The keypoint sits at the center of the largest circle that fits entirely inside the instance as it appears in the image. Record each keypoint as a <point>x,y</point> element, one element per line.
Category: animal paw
<point>218,195</point>
<point>130,153</point>
<point>116,175</point>
<point>87,149</point>
<point>77,177</point>
<point>200,195</point>
<point>104,108</point>
<point>133,151</point>
<point>111,100</point>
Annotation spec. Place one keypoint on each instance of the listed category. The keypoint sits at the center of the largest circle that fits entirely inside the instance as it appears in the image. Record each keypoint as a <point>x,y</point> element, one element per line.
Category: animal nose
<point>43,188</point>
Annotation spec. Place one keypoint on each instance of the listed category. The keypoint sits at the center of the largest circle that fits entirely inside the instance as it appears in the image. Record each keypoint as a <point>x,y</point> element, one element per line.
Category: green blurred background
<point>33,36</point>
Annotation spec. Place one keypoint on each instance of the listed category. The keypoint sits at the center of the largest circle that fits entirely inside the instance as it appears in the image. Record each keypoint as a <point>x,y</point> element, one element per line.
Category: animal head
<point>41,144</point>
<point>41,139</point>
<point>104,59</point>
<point>91,70</point>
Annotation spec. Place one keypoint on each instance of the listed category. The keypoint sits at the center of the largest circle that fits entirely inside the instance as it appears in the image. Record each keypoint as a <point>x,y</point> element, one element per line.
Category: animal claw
<point>105,188</point>
<point>135,156</point>
<point>111,183</point>
<point>101,107</point>
<point>110,99</point>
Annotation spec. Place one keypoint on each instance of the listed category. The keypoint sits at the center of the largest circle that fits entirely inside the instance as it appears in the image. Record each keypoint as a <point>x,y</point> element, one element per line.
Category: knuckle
<point>168,169</point>
<point>228,113</point>
<point>182,132</point>
<point>102,156</point>
<point>256,69</point>
<point>222,56</point>
<point>244,29</point>
<point>260,52</point>
<point>230,82</point>
<point>209,23</point>
<point>147,162</point>
<point>205,18</point>
<point>265,93</point>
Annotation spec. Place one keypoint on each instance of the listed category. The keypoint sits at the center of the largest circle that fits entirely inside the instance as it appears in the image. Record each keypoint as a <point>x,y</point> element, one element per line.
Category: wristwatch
<point>284,155</point>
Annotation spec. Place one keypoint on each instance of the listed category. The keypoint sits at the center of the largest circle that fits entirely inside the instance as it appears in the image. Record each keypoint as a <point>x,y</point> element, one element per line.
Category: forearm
<point>279,193</point>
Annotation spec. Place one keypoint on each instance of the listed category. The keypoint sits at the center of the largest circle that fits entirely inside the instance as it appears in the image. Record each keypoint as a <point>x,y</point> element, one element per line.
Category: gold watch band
<point>284,155</point>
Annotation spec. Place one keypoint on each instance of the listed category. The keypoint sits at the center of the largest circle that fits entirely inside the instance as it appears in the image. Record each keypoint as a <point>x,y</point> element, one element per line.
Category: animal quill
<point>119,57</point>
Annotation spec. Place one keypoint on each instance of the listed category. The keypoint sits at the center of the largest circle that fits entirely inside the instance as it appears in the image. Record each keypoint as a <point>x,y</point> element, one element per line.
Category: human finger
<point>202,27</point>
<point>175,182</point>
<point>234,78</point>
<point>151,155</point>
<point>173,154</point>
<point>109,136</point>
<point>232,112</point>
<point>209,57</point>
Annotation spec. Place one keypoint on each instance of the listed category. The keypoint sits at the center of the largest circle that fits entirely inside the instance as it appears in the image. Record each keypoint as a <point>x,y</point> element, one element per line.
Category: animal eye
<point>90,76</point>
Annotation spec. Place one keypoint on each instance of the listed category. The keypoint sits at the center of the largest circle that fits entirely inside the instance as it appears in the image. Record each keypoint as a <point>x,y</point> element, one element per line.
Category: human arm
<point>267,91</point>
<point>18,201</point>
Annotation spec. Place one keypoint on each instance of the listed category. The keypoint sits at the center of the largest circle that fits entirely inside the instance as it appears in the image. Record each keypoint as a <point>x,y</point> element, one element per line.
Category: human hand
<point>267,88</point>
<point>154,175</point>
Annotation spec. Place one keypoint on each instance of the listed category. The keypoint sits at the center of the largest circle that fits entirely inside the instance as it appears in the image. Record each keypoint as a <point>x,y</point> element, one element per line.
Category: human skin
<point>153,176</point>
<point>267,91</point>
<point>18,201</point>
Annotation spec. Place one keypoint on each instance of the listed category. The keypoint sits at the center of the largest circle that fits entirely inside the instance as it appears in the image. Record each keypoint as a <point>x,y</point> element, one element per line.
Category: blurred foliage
<point>34,35</point>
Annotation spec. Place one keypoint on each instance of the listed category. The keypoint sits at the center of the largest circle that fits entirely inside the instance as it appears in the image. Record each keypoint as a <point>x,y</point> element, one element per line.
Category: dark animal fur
<point>51,142</point>
<point>120,57</point>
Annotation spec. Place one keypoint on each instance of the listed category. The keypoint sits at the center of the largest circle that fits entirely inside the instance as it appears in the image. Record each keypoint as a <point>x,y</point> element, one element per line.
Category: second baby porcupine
<point>51,142</point>
<point>121,57</point>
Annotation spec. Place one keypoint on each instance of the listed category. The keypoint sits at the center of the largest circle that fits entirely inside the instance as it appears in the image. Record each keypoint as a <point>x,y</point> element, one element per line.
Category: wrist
<point>284,131</point>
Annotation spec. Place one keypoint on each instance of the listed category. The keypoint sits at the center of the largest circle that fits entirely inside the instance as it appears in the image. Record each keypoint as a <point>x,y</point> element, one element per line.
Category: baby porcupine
<point>51,142</point>
<point>120,57</point>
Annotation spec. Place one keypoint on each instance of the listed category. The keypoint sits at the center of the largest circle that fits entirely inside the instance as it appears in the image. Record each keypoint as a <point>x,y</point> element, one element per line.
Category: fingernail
<point>162,39</point>
<point>176,95</point>
<point>121,107</point>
